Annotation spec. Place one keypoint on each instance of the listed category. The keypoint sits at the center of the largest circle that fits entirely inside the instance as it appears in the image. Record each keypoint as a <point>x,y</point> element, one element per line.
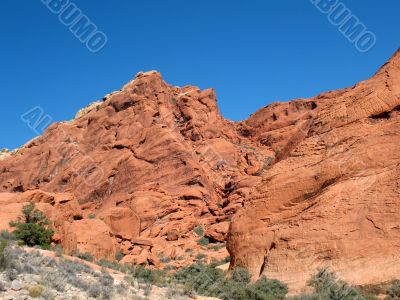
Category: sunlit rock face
<point>296,186</point>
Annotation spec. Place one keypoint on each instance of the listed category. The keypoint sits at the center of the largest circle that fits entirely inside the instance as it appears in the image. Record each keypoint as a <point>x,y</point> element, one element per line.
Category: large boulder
<point>122,221</point>
<point>89,235</point>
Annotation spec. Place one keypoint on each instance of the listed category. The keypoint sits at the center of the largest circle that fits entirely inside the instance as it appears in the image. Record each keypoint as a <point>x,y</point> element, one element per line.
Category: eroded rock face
<point>333,199</point>
<point>298,185</point>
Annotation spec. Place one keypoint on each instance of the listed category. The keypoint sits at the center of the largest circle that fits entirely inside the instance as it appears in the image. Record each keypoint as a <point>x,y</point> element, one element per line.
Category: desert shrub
<point>235,288</point>
<point>241,275</point>
<point>393,292</point>
<point>203,279</point>
<point>169,268</point>
<point>112,265</point>
<point>92,216</point>
<point>94,290</point>
<point>27,268</point>
<point>217,247</point>
<point>35,291</point>
<point>328,286</point>
<point>54,280</point>
<point>59,251</point>
<point>217,263</point>
<point>143,275</point>
<point>12,274</point>
<point>198,230</point>
<point>6,235</point>
<point>119,256</point>
<point>121,288</point>
<point>174,292</point>
<point>147,288</point>
<point>106,292</point>
<point>77,282</point>
<point>32,227</point>
<point>165,259</point>
<point>75,267</point>
<point>209,281</point>
<point>106,279</point>
<point>203,241</point>
<point>83,255</point>
<point>4,260</point>
<point>200,256</point>
<point>266,289</point>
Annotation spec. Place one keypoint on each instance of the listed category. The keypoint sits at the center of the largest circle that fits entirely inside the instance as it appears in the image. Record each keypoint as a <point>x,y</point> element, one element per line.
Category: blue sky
<point>252,52</point>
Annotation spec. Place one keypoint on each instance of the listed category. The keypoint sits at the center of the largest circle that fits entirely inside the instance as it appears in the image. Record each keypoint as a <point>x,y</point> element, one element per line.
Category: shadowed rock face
<point>298,185</point>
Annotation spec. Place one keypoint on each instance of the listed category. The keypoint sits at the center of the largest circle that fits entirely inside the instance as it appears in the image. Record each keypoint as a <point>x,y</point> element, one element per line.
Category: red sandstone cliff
<point>333,199</point>
<point>309,183</point>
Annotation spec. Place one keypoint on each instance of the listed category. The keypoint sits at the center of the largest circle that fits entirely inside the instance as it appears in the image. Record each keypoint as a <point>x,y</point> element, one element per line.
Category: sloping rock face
<point>297,186</point>
<point>333,200</point>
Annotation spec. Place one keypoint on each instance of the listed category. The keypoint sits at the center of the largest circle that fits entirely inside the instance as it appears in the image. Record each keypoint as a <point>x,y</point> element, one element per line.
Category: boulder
<point>89,235</point>
<point>122,221</point>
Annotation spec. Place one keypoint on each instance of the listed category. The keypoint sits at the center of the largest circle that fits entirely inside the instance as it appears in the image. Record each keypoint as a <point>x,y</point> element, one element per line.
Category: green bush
<point>328,286</point>
<point>32,227</point>
<point>203,279</point>
<point>5,234</point>
<point>265,289</point>
<point>203,241</point>
<point>209,281</point>
<point>92,216</point>
<point>236,287</point>
<point>3,255</point>
<point>241,275</point>
<point>393,292</point>
<point>201,256</point>
<point>199,230</point>
<point>83,255</point>
<point>115,265</point>
<point>217,247</point>
<point>143,275</point>
<point>119,256</point>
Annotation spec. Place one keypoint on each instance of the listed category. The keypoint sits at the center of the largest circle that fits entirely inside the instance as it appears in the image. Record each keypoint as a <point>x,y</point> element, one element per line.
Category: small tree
<point>32,227</point>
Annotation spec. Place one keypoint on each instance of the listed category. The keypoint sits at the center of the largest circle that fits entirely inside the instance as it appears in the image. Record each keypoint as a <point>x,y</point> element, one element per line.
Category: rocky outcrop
<point>298,185</point>
<point>149,162</point>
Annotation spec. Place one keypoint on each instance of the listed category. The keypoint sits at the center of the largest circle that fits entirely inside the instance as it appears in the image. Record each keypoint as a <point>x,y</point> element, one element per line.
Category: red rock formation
<point>333,198</point>
<point>149,163</point>
<point>311,182</point>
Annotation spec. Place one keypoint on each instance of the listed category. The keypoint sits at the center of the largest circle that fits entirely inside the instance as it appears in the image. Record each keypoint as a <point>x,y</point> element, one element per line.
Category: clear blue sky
<point>252,52</point>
